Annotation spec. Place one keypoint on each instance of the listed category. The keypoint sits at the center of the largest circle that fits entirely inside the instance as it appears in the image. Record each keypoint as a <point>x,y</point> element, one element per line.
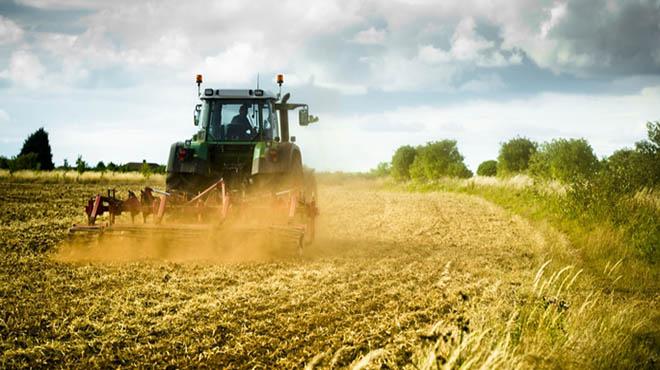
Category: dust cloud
<point>252,236</point>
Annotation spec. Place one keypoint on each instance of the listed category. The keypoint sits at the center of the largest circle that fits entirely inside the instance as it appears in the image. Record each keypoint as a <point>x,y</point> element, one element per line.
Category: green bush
<point>616,194</point>
<point>514,156</point>
<point>649,151</point>
<point>438,159</point>
<point>401,162</point>
<point>566,160</point>
<point>81,165</point>
<point>145,170</point>
<point>487,168</point>
<point>382,170</point>
<point>28,161</point>
<point>628,171</point>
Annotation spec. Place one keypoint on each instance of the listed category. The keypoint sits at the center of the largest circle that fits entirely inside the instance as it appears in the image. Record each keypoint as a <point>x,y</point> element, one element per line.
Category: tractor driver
<point>242,123</point>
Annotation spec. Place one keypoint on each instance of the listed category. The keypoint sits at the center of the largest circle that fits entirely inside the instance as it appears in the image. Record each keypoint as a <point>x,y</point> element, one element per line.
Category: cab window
<point>238,120</point>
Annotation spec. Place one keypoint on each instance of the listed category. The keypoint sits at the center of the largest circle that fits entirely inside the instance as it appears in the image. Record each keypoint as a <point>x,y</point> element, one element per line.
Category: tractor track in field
<point>386,267</point>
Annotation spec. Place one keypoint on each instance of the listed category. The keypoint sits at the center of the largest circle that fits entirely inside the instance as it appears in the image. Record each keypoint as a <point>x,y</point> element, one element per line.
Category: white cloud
<point>237,65</point>
<point>394,72</point>
<point>171,38</point>
<point>230,41</point>
<point>467,46</point>
<point>4,117</point>
<point>345,88</point>
<point>10,32</point>
<point>437,69</point>
<point>62,4</point>
<point>491,82</point>
<point>586,38</point>
<point>424,45</point>
<point>608,122</point>
<point>371,36</point>
<point>432,55</point>
<point>557,12</point>
<point>24,70</point>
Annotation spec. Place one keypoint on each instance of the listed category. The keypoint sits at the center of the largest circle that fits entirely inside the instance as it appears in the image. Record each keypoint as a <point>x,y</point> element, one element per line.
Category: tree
<point>487,168</point>
<point>112,167</point>
<point>81,165</point>
<point>653,132</point>
<point>4,163</point>
<point>38,143</point>
<point>401,162</point>
<point>566,160</point>
<point>382,170</point>
<point>145,170</point>
<point>161,169</point>
<point>630,170</point>
<point>650,153</point>
<point>514,155</point>
<point>438,159</point>
<point>23,162</point>
<point>100,167</point>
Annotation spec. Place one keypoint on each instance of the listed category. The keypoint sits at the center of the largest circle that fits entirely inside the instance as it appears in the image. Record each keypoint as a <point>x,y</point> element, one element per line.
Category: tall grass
<point>559,320</point>
<point>601,312</point>
<point>602,226</point>
<point>60,176</point>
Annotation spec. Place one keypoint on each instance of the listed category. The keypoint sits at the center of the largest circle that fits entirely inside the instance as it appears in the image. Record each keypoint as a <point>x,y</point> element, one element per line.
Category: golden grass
<point>85,177</point>
<point>648,197</point>
<point>401,280</point>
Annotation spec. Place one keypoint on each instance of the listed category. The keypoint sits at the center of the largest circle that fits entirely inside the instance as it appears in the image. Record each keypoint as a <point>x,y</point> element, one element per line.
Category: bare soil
<point>385,269</point>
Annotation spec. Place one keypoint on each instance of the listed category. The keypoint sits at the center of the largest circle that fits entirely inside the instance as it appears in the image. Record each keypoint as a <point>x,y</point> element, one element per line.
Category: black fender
<point>187,164</point>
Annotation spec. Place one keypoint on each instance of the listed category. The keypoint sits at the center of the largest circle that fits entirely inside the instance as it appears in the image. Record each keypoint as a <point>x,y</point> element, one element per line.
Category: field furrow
<point>387,266</point>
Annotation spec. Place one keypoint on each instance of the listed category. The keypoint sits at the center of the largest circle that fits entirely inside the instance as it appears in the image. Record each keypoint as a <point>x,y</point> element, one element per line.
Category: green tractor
<point>241,173</point>
<point>243,138</point>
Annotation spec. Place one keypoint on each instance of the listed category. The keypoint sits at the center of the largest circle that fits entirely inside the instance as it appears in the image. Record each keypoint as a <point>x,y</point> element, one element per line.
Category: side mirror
<point>198,110</point>
<point>303,117</point>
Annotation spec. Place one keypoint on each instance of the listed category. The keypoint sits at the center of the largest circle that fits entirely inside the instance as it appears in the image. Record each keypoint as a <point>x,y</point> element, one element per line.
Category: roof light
<point>198,79</point>
<point>208,92</point>
<point>258,92</point>
<point>280,79</point>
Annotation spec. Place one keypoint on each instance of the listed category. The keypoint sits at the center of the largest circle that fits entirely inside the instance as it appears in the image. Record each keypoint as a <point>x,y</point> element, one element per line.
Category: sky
<point>114,80</point>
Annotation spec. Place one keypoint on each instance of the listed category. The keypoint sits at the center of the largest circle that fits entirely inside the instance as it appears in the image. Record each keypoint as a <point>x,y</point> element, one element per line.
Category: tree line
<point>620,190</point>
<point>564,160</point>
<point>36,154</point>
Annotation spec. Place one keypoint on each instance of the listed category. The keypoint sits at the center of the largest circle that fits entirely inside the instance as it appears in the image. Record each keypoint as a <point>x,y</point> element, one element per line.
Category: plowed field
<point>389,274</point>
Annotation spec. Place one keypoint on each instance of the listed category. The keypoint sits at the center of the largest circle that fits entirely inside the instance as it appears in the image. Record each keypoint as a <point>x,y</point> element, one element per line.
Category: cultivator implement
<point>283,220</point>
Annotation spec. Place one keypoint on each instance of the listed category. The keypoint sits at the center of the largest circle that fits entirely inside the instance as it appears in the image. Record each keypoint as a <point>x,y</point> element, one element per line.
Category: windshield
<point>238,120</point>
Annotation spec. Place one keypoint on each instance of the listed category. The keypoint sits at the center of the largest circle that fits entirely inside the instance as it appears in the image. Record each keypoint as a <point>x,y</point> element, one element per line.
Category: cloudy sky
<point>114,80</point>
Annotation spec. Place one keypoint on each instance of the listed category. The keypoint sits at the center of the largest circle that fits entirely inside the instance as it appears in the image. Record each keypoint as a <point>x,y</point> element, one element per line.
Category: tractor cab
<point>237,116</point>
